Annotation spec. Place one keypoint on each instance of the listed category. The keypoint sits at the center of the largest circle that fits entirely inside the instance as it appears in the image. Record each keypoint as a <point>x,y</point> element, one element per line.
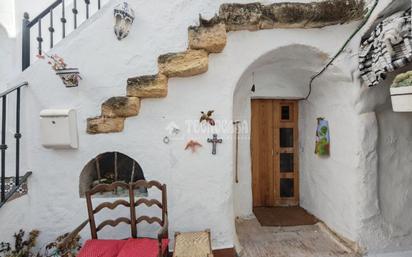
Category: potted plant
<point>401,92</point>
<point>69,76</point>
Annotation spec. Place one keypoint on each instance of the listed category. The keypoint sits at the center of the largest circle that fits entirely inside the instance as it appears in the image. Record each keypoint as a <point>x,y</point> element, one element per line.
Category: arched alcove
<point>107,168</point>
<point>284,73</point>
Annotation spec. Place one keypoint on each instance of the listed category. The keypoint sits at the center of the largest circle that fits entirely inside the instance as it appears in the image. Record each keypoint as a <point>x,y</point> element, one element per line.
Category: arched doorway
<point>282,76</point>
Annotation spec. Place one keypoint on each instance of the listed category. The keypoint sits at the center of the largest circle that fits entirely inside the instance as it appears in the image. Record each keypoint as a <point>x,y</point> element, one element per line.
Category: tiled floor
<point>300,241</point>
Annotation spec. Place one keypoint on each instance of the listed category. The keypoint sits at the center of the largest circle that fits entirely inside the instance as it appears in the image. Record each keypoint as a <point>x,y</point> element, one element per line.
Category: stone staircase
<point>210,38</point>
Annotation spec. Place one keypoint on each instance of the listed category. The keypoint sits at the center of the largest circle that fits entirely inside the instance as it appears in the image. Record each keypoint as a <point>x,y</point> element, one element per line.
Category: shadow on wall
<point>107,168</point>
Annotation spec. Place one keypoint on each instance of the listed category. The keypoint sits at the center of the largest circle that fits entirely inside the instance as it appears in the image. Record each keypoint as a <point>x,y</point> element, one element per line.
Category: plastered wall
<point>201,190</point>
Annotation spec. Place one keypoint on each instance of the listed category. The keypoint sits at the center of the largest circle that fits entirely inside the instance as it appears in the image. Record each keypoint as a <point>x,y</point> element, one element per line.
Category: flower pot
<point>69,76</point>
<point>401,99</point>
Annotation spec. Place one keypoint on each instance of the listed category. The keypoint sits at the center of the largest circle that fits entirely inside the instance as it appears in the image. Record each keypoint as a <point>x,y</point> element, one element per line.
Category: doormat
<point>284,216</point>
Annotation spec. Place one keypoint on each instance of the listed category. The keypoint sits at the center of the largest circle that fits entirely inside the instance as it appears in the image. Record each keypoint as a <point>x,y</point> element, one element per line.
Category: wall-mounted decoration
<point>401,93</point>
<point>386,49</point>
<point>322,138</point>
<point>166,140</point>
<point>214,141</point>
<point>253,89</point>
<point>59,128</point>
<point>69,76</point>
<point>124,17</point>
<point>207,117</point>
<point>193,145</point>
<point>173,129</point>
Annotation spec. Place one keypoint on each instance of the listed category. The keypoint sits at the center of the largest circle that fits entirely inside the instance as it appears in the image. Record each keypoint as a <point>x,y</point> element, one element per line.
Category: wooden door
<point>274,144</point>
<point>263,179</point>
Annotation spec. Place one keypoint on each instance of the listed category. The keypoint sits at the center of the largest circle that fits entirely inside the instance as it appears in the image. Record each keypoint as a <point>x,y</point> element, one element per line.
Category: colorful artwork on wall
<point>322,138</point>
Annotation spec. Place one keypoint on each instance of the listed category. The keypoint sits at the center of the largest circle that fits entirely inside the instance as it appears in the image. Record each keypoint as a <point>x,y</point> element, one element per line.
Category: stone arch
<point>306,61</point>
<point>108,167</point>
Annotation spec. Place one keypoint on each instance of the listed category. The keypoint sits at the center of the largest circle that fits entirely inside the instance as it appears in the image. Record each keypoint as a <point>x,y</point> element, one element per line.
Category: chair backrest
<point>132,220</point>
<point>162,204</point>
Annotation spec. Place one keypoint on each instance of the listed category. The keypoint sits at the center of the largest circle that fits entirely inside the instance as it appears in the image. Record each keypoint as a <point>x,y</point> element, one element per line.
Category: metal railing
<point>37,21</point>
<point>4,196</point>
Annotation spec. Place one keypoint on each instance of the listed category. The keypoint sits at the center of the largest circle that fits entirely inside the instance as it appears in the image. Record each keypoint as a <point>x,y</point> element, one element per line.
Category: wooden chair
<point>134,246</point>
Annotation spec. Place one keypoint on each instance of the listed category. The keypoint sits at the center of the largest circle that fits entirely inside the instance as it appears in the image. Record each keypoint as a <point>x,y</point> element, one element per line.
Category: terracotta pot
<point>401,99</point>
<point>69,76</point>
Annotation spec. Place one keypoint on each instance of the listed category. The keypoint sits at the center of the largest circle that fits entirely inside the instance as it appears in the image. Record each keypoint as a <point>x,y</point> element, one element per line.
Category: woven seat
<point>193,244</point>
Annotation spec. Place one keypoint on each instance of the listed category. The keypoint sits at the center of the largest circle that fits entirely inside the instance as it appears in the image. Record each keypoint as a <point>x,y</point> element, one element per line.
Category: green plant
<point>25,247</point>
<point>403,80</point>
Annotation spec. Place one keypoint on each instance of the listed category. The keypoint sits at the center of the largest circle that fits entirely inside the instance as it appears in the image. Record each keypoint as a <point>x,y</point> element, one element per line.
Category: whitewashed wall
<point>385,222</point>
<point>7,16</point>
<point>7,52</point>
<point>201,191</point>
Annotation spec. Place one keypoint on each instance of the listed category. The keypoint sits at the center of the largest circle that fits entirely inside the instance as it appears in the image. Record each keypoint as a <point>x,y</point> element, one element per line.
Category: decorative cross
<point>214,141</point>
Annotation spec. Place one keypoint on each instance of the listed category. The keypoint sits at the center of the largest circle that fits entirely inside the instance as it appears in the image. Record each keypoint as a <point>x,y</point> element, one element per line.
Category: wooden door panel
<point>262,164</point>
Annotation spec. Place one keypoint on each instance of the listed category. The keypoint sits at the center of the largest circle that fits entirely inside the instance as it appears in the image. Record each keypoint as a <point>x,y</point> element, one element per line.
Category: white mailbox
<point>59,128</point>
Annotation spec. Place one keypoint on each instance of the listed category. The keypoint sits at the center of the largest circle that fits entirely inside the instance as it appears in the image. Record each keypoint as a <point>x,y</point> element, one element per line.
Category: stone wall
<point>256,16</point>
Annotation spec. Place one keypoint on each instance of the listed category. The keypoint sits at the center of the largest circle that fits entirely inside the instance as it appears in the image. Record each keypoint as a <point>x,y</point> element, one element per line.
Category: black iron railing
<point>49,13</point>
<point>18,181</point>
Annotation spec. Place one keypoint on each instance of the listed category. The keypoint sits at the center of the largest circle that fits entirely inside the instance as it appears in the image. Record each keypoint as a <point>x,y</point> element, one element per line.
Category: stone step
<point>103,124</point>
<point>149,86</point>
<point>121,106</point>
<point>184,64</point>
<point>210,35</point>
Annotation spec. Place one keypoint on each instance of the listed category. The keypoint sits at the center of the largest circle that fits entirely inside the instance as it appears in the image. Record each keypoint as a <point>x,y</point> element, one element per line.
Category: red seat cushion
<point>101,248</point>
<point>142,247</point>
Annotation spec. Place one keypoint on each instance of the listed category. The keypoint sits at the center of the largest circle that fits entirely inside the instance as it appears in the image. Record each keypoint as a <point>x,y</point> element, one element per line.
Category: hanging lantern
<point>124,17</point>
<point>253,89</point>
